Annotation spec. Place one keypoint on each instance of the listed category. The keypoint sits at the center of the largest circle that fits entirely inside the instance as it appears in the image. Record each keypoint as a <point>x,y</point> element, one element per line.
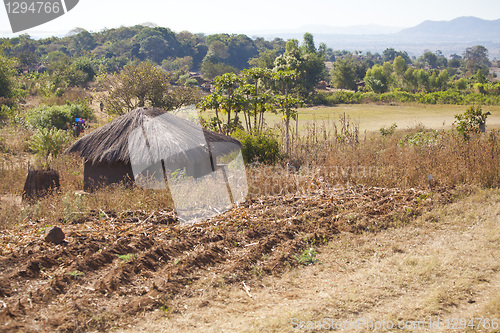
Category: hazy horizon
<point>225,16</point>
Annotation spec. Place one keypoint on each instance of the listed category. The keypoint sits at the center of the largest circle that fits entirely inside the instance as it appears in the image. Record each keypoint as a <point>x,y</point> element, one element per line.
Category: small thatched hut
<point>107,150</point>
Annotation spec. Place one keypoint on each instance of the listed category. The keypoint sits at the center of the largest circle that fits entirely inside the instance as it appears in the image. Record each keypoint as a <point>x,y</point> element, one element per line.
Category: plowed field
<point>114,265</point>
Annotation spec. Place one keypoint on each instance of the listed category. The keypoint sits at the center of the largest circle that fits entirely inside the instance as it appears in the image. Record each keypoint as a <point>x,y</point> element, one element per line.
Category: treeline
<point>48,67</point>
<point>111,49</point>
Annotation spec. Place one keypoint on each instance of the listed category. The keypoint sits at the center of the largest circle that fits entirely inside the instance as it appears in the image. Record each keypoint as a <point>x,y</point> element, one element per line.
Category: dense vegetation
<point>240,78</point>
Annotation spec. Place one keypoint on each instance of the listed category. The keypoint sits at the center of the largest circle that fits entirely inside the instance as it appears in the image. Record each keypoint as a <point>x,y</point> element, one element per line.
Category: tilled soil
<point>113,266</point>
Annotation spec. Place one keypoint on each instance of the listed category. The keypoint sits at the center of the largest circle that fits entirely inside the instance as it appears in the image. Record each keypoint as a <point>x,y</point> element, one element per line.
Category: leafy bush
<point>48,142</point>
<point>6,112</point>
<point>58,116</point>
<point>386,131</point>
<point>471,121</point>
<point>489,95</point>
<point>260,147</point>
<point>420,139</point>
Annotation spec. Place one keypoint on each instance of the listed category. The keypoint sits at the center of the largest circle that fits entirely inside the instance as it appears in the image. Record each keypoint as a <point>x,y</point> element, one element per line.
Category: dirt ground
<point>381,253</point>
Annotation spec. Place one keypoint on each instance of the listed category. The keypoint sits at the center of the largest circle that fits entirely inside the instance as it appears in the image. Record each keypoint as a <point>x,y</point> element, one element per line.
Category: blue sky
<point>246,16</point>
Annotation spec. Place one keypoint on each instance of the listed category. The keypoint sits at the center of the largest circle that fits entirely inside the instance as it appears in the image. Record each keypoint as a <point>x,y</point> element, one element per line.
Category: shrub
<point>260,147</point>
<point>48,142</point>
<point>471,121</point>
<point>420,139</point>
<point>6,112</point>
<point>58,116</point>
<point>385,131</point>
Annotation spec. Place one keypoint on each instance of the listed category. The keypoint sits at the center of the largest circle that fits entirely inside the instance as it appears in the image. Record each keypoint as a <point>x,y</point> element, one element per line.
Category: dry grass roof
<point>110,143</point>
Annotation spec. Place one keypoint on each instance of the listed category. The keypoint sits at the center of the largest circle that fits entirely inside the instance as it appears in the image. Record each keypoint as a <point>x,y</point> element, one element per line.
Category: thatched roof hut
<point>110,150</point>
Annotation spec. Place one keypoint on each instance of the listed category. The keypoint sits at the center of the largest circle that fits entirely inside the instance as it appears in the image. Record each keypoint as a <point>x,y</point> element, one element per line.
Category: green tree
<point>258,95</point>
<point>442,80</point>
<point>82,42</point>
<point>480,77</point>
<point>144,84</point>
<point>306,61</point>
<point>287,102</point>
<point>410,80</point>
<point>82,71</point>
<point>400,68</point>
<point>376,79</point>
<point>227,98</point>
<point>343,74</point>
<point>308,44</point>
<point>155,48</point>
<point>265,59</point>
<point>214,102</point>
<point>476,58</point>
<point>211,69</point>
<point>430,59</point>
<point>423,80</point>
<point>6,77</point>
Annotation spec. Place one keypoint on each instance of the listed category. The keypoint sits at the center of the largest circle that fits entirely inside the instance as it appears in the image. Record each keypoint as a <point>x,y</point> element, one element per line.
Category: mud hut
<point>148,136</point>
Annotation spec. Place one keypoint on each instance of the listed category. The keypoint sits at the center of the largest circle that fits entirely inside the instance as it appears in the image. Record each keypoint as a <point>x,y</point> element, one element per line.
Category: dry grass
<point>68,204</point>
<point>335,155</point>
<point>324,157</point>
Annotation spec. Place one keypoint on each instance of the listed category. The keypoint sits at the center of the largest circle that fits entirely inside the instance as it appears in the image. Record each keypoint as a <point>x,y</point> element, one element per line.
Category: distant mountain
<point>460,29</point>
<point>451,37</point>
<point>366,29</point>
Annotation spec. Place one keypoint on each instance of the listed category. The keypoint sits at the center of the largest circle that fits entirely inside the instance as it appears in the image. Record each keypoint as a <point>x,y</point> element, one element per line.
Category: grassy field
<point>371,117</point>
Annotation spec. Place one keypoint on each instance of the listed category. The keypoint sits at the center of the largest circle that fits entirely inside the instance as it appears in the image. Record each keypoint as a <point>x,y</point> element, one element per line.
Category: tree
<point>410,80</point>
<point>400,68</point>
<point>264,60</point>
<point>442,80</point>
<point>286,100</point>
<point>227,99</point>
<point>389,54</point>
<point>6,77</point>
<point>142,85</point>
<point>344,74</point>
<point>480,76</point>
<point>82,71</point>
<point>376,79</point>
<point>48,142</point>
<point>476,58</point>
<point>212,69</point>
<point>306,61</point>
<point>82,42</point>
<point>258,96</point>
<point>308,44</point>
<point>430,59</point>
<point>154,48</point>
<point>423,80</point>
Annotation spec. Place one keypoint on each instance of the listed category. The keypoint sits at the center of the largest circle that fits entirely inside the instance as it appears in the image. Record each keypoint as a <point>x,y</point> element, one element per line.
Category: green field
<point>371,117</point>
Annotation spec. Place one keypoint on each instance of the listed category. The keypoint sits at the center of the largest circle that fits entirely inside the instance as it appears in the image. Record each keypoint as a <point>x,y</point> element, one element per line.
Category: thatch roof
<point>166,134</point>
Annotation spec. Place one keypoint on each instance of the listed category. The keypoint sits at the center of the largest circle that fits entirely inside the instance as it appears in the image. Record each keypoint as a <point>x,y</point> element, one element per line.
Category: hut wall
<point>102,174</point>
